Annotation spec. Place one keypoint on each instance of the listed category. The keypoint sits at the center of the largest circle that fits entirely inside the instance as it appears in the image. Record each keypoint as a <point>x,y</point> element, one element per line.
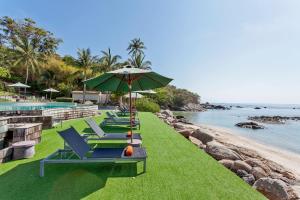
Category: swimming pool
<point>7,106</point>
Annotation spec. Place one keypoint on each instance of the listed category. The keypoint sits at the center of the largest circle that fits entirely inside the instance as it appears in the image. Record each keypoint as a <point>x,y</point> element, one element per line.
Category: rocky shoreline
<point>201,107</point>
<point>273,119</point>
<point>266,176</point>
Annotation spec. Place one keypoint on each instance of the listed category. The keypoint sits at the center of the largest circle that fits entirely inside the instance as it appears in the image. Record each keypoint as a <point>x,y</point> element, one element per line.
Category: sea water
<point>285,136</point>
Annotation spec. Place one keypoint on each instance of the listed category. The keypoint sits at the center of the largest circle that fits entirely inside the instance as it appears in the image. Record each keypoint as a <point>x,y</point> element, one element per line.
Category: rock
<point>186,132</point>
<point>241,165</point>
<point>197,142</point>
<point>219,151</point>
<point>204,137</point>
<point>273,119</point>
<point>249,178</point>
<point>215,107</point>
<point>171,120</point>
<point>179,126</point>
<point>251,125</point>
<point>258,163</point>
<point>192,107</point>
<point>179,117</point>
<point>290,180</point>
<point>273,189</point>
<point>227,163</point>
<point>258,173</point>
<point>241,173</point>
<point>168,113</point>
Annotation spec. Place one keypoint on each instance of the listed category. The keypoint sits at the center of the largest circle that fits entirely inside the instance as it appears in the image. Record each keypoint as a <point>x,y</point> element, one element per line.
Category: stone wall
<point>20,112</point>
<point>47,121</point>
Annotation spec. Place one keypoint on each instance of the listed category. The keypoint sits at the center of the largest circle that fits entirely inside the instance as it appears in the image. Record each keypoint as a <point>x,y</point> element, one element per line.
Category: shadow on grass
<point>61,181</point>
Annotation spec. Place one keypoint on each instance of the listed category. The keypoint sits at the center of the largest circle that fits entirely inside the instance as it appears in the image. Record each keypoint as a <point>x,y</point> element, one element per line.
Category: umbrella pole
<point>130,110</point>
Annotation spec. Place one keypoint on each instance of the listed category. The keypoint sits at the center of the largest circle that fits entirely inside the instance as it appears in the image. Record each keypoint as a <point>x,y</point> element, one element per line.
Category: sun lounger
<point>114,120</point>
<point>80,152</point>
<point>109,136</point>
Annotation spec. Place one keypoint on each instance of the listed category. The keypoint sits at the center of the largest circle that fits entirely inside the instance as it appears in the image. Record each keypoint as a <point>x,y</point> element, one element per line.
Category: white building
<point>94,96</point>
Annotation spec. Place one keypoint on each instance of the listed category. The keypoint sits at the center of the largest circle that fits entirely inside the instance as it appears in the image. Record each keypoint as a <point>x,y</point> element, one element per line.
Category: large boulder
<point>219,151</point>
<point>273,189</point>
<point>227,163</point>
<point>241,165</point>
<point>258,173</point>
<point>179,126</point>
<point>251,125</point>
<point>168,113</point>
<point>196,142</point>
<point>203,136</point>
<point>186,132</point>
<point>249,178</point>
<point>254,162</point>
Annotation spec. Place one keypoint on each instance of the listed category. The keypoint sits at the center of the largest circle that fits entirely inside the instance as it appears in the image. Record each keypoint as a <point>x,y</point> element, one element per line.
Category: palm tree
<point>136,47</point>
<point>26,54</point>
<point>138,62</point>
<point>108,61</point>
<point>49,77</point>
<point>85,61</point>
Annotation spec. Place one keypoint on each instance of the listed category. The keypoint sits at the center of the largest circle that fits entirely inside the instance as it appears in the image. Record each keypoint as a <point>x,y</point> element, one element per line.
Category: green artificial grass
<point>176,169</point>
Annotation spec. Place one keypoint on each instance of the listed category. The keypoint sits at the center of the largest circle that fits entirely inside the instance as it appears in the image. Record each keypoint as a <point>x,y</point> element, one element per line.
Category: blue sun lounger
<point>113,120</point>
<point>80,152</point>
<point>108,136</point>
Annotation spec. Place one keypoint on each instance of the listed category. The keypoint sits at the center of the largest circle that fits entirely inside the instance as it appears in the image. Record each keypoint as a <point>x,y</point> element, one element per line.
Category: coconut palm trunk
<point>84,90</point>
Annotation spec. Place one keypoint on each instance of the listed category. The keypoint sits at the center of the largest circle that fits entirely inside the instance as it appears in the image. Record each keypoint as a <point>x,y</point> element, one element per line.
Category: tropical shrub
<point>147,105</point>
<point>4,73</point>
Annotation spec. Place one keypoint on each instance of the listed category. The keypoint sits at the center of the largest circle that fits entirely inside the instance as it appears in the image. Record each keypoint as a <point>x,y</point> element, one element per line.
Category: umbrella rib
<point>121,80</point>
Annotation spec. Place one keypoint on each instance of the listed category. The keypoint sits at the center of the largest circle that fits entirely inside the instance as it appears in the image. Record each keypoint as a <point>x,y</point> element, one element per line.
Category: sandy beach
<point>288,160</point>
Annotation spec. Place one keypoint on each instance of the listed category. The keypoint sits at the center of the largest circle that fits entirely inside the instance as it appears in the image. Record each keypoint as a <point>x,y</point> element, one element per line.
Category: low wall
<point>20,112</point>
<point>47,121</point>
<point>71,113</point>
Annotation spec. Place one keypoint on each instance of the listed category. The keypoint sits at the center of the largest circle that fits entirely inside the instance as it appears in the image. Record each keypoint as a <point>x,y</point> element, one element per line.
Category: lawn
<point>176,169</point>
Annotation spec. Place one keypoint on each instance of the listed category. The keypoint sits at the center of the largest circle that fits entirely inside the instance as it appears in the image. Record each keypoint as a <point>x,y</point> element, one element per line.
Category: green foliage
<point>4,73</point>
<point>30,44</point>
<point>146,105</point>
<point>64,99</point>
<point>65,89</point>
<point>173,97</point>
<point>69,60</point>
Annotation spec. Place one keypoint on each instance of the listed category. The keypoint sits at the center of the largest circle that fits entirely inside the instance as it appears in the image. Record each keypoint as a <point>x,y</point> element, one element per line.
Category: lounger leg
<point>144,165</point>
<point>42,166</point>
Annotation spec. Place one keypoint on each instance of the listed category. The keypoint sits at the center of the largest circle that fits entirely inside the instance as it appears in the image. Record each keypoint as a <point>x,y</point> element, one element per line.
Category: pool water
<point>7,106</point>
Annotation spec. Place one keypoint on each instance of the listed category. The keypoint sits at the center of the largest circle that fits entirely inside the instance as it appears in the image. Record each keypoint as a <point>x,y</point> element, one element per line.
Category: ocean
<point>285,136</point>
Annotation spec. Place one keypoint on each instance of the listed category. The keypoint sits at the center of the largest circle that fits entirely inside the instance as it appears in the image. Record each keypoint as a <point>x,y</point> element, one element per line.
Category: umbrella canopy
<point>19,85</point>
<point>50,90</point>
<point>146,92</point>
<point>134,95</point>
<point>128,79</point>
<point>119,80</point>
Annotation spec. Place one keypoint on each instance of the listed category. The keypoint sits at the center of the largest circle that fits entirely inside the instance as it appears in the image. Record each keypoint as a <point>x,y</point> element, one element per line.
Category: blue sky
<point>227,51</point>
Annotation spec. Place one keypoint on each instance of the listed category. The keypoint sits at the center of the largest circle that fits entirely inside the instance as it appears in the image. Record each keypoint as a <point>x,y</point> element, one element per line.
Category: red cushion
<point>129,150</point>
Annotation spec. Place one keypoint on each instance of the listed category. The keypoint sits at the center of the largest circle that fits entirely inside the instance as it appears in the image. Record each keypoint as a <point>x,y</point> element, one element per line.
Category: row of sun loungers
<point>113,120</point>
<point>124,110</point>
<point>78,150</point>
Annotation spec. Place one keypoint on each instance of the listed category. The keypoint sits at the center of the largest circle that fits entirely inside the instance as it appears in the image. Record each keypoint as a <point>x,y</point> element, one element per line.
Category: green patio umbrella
<point>51,90</point>
<point>19,85</point>
<point>128,79</point>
